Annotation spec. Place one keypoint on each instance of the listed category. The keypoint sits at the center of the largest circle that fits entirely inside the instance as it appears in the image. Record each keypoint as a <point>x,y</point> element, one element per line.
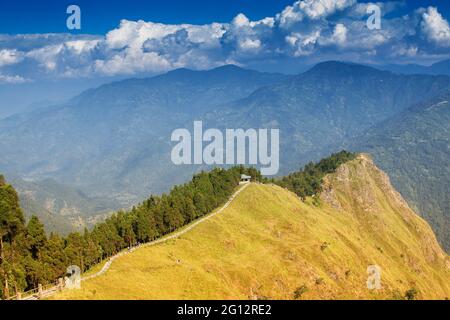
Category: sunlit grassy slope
<point>268,244</point>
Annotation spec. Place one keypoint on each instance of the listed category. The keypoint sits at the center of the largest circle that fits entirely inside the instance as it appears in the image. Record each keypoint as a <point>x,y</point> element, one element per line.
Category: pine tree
<point>11,217</point>
<point>35,238</point>
<point>145,226</point>
<point>11,226</point>
<point>54,257</point>
<point>28,258</point>
<point>74,250</point>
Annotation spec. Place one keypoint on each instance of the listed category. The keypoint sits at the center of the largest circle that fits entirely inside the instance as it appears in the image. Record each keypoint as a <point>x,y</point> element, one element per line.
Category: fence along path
<point>37,294</point>
<point>165,239</point>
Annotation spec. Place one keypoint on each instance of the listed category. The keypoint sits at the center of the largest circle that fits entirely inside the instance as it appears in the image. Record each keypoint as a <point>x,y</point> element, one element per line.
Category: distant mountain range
<point>113,142</point>
<point>414,147</point>
<point>320,110</point>
<point>438,68</point>
<point>96,139</point>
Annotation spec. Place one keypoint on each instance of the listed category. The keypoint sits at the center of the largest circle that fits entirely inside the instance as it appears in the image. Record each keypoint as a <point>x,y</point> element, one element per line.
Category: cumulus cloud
<point>312,10</point>
<point>359,10</point>
<point>306,30</point>
<point>339,34</point>
<point>14,79</point>
<point>436,27</point>
<point>303,44</point>
<point>316,9</point>
<point>8,57</point>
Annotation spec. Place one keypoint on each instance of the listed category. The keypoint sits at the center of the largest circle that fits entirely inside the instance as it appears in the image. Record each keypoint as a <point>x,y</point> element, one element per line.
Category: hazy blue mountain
<point>324,108</point>
<point>438,68</point>
<point>414,147</point>
<point>113,142</point>
<point>108,140</point>
<point>36,94</point>
<point>61,208</point>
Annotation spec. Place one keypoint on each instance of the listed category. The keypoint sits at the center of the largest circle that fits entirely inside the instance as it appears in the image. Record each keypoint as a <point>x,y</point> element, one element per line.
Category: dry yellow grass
<point>268,243</point>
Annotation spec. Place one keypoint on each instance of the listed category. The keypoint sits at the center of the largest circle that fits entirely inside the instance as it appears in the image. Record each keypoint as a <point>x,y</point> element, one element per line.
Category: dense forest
<point>29,257</point>
<point>308,181</point>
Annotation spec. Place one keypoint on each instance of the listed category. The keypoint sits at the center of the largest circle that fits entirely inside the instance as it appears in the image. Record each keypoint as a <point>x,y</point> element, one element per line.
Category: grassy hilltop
<point>270,244</point>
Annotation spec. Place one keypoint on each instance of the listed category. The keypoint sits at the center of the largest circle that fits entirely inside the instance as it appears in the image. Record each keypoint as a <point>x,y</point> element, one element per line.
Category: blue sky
<point>101,16</point>
<point>139,38</point>
<point>48,16</point>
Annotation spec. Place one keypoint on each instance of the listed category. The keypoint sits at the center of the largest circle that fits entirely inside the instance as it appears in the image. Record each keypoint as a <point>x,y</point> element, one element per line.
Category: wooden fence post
<point>60,284</point>
<point>40,291</point>
<point>6,288</point>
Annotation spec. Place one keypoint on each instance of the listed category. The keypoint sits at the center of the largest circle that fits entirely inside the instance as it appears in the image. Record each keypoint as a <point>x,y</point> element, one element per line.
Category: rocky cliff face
<point>361,189</point>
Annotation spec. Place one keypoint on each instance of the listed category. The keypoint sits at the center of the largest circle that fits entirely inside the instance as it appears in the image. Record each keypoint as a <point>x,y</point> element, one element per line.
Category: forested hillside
<point>29,257</point>
<point>308,181</point>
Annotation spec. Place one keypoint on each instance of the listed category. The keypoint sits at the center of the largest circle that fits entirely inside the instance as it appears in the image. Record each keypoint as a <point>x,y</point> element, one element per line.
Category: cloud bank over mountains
<point>308,30</point>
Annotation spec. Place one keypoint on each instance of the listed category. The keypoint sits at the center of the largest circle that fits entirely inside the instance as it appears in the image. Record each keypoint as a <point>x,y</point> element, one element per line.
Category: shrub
<point>324,246</point>
<point>411,294</point>
<point>300,291</point>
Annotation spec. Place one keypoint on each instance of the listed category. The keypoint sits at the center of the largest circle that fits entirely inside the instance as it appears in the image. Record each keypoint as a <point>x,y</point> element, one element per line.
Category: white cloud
<point>82,46</point>
<point>303,44</point>
<point>207,35</point>
<point>249,44</point>
<point>9,57</point>
<point>436,27</point>
<point>46,56</point>
<point>340,34</point>
<point>359,10</point>
<point>316,9</point>
<point>134,34</point>
<point>15,79</point>
<point>132,61</point>
<point>241,20</point>
<point>311,9</point>
<point>308,29</point>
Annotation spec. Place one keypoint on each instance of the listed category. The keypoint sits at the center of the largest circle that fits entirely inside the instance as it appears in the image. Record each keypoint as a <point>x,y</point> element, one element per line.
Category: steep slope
<point>414,148</point>
<point>269,244</point>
